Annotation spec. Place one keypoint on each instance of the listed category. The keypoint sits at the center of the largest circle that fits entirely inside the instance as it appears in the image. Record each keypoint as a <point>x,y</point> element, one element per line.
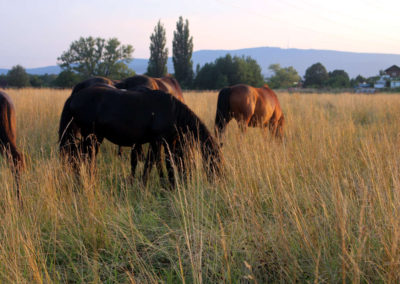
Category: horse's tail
<point>223,115</point>
<point>67,130</point>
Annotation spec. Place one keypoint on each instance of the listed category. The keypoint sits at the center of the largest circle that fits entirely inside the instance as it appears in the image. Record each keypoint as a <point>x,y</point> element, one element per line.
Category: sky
<point>34,33</point>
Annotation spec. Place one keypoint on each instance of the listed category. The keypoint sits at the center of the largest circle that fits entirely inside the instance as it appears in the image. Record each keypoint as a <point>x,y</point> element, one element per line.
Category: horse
<point>93,81</point>
<point>8,133</point>
<point>131,118</point>
<point>97,80</point>
<point>250,106</point>
<point>166,84</point>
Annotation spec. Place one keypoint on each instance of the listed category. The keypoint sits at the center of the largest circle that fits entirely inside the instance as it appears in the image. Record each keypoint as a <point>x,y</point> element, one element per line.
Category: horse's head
<point>212,152</point>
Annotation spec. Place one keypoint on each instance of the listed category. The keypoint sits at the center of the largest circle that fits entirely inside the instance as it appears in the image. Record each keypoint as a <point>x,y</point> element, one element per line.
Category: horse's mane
<point>188,123</point>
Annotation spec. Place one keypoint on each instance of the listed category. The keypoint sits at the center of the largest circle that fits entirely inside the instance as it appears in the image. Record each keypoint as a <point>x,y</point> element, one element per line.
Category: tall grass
<point>323,205</point>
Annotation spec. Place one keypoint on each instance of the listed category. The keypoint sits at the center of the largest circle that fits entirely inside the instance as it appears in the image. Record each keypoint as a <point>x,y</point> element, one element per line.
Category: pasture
<point>321,206</point>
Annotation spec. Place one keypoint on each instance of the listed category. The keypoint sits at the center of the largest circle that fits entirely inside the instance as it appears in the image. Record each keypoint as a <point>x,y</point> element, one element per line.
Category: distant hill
<point>365,64</point>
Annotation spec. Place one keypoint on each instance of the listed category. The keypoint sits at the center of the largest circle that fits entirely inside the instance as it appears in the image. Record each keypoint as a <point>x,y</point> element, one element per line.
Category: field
<point>323,205</point>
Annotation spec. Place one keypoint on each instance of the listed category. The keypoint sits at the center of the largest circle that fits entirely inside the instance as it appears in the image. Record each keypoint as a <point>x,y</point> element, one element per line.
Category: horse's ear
<point>266,85</point>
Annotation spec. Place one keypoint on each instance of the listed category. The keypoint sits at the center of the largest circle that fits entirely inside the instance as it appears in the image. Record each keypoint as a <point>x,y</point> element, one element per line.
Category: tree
<point>283,77</point>
<point>157,66</point>
<point>17,77</point>
<point>3,80</point>
<point>339,79</point>
<point>228,70</point>
<point>46,80</point>
<point>67,79</point>
<point>182,49</point>
<point>316,76</point>
<point>97,57</point>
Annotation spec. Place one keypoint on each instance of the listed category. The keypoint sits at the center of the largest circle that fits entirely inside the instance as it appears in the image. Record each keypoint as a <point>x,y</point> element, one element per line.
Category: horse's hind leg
<point>18,164</point>
<point>15,159</point>
<point>276,126</point>
<point>281,124</point>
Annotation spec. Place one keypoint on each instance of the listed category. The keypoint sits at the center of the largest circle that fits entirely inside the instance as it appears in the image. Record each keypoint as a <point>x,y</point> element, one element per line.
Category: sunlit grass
<point>323,205</point>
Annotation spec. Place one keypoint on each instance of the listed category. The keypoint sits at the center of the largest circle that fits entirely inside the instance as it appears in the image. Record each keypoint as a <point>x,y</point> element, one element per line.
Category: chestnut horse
<point>250,106</point>
<point>131,118</point>
<point>166,84</point>
<point>8,133</point>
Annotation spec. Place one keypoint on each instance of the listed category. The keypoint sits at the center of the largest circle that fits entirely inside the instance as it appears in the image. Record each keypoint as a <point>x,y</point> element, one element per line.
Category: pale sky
<point>34,33</point>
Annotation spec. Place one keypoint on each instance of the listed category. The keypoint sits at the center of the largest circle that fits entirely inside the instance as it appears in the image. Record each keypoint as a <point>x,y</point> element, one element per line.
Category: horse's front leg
<point>135,152</point>
<point>152,154</point>
<point>169,148</point>
<point>158,159</point>
<point>91,145</point>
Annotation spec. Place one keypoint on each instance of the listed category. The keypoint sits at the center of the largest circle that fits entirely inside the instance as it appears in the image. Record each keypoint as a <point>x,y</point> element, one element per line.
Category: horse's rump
<point>250,106</point>
<point>8,134</point>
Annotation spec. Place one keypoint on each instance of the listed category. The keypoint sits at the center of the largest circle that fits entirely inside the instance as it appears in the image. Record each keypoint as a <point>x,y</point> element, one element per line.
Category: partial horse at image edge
<point>249,106</point>
<point>8,134</point>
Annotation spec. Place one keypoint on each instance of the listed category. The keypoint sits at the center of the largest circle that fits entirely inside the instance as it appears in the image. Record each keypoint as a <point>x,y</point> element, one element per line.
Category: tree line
<point>88,57</point>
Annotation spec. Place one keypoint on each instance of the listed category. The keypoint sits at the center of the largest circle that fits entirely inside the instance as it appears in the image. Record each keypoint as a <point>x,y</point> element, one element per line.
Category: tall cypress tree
<point>157,66</point>
<point>182,49</point>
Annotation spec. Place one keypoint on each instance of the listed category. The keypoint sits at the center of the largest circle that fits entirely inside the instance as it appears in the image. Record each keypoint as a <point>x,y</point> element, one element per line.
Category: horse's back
<point>137,81</point>
<point>171,86</point>
<point>91,82</point>
<point>123,117</point>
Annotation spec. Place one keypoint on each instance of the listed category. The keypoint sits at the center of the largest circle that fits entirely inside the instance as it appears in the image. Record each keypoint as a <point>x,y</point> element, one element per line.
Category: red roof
<point>393,68</point>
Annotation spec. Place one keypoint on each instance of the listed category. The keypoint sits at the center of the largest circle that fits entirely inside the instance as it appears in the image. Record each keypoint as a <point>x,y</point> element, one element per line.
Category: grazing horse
<point>250,107</point>
<point>91,82</point>
<point>166,84</point>
<point>8,145</point>
<point>131,118</point>
<point>69,141</point>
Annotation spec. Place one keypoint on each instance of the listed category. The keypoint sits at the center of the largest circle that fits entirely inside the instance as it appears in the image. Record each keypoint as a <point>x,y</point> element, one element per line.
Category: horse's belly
<point>123,136</point>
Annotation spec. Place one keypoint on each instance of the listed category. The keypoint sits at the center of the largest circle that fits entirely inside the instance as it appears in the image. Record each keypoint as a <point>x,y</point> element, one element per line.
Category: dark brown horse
<point>66,140</point>
<point>250,107</point>
<point>130,118</point>
<point>166,84</point>
<point>8,133</point>
<point>91,82</point>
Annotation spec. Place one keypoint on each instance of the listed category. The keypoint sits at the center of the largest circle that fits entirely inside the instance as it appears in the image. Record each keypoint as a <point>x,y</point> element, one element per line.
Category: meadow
<point>323,205</point>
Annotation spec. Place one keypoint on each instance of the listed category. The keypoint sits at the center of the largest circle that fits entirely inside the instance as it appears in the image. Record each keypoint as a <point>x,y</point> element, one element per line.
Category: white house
<point>380,83</point>
<point>394,84</point>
